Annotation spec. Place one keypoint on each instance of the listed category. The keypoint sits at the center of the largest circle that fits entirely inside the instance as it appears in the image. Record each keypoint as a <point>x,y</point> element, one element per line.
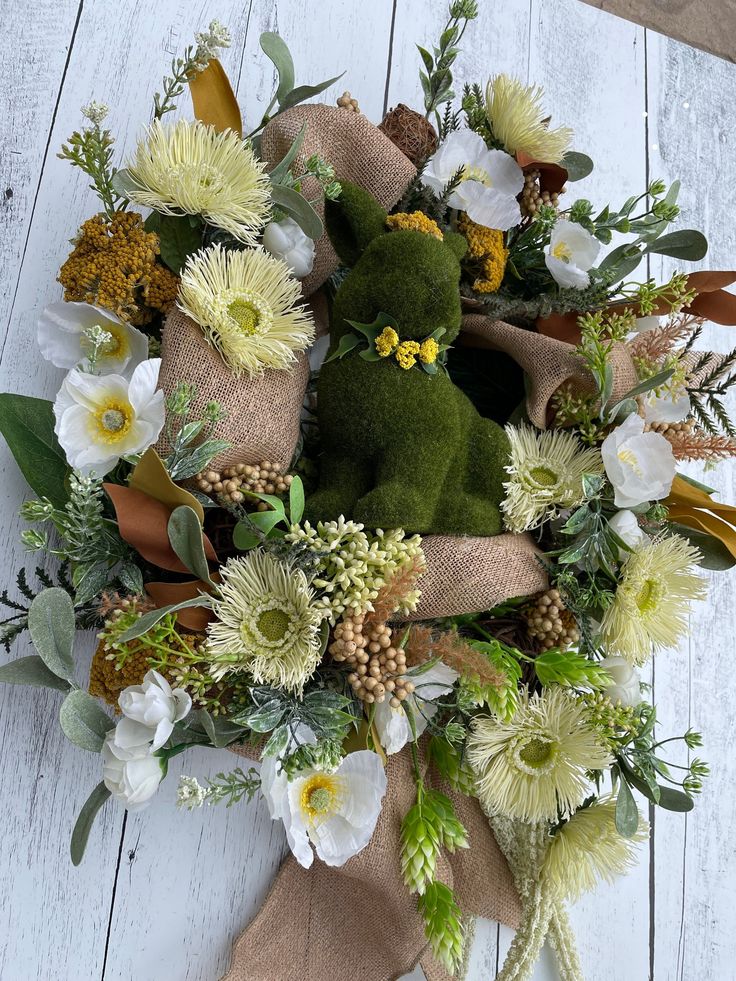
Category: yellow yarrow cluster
<point>406,354</point>
<point>487,250</point>
<point>114,265</point>
<point>416,221</point>
<point>387,341</point>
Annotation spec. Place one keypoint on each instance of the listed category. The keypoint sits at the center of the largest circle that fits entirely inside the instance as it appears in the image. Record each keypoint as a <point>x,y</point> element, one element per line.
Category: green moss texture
<point>401,448</point>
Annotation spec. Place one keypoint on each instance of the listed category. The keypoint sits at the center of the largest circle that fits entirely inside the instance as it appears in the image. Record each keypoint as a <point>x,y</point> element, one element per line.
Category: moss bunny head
<point>402,447</point>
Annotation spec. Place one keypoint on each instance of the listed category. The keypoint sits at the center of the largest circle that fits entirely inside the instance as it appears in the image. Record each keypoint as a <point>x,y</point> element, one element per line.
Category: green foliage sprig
<point>715,376</point>
<point>191,440</point>
<point>228,787</point>
<point>436,79</point>
<point>193,61</point>
<point>91,151</point>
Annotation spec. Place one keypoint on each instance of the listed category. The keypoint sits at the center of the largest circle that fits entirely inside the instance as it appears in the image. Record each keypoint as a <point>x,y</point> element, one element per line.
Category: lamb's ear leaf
<point>353,221</point>
<point>84,823</point>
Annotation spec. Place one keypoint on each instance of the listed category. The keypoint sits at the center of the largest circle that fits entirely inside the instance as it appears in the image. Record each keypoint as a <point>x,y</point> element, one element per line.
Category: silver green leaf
<point>31,671</point>
<point>83,825</point>
<point>51,625</point>
<point>185,535</point>
<point>83,721</point>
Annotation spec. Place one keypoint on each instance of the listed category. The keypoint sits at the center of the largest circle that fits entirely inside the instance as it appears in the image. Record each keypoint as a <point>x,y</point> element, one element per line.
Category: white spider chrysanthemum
<point>189,168</point>
<point>535,766</point>
<point>266,623</point>
<point>588,848</point>
<point>518,120</point>
<point>651,605</point>
<point>247,304</point>
<point>546,472</point>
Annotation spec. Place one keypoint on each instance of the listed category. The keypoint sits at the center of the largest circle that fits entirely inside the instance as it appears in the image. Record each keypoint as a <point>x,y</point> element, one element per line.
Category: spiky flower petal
<point>247,304</point>
<point>588,848</point>
<point>189,168</point>
<point>546,472</point>
<point>518,120</point>
<point>266,623</point>
<point>534,767</point>
<point>650,608</point>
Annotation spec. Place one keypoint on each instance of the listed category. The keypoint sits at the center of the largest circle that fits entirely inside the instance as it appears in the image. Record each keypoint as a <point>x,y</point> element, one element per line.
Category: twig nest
<point>410,132</point>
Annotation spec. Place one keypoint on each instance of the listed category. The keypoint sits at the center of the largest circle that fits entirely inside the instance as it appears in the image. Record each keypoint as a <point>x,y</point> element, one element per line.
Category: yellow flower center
<point>320,796</point>
<point>246,315</point>
<point>562,251</point>
<point>536,752</point>
<point>274,624</point>
<point>471,173</point>
<point>628,458</point>
<point>188,178</point>
<point>649,596</point>
<point>112,421</point>
<point>543,476</point>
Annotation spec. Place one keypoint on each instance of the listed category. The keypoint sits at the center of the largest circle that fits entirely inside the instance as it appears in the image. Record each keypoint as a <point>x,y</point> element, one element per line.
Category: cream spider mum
<point>518,120</point>
<point>189,168</point>
<point>588,848</point>
<point>651,605</point>
<point>535,766</point>
<point>546,472</point>
<point>247,305</point>
<point>266,623</point>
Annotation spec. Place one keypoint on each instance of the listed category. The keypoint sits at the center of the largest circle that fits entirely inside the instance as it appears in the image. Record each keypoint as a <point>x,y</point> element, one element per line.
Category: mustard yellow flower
<point>406,354</point>
<point>428,351</point>
<point>415,221</point>
<point>387,341</point>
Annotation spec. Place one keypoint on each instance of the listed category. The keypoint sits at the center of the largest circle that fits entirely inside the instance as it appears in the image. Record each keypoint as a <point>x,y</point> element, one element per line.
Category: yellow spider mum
<point>535,765</point>
<point>415,221</point>
<point>246,302</point>
<point>266,623</point>
<point>189,168</point>
<point>651,606</point>
<point>428,351</point>
<point>588,848</point>
<point>518,120</point>
<point>546,473</point>
<point>387,341</point>
<point>406,354</point>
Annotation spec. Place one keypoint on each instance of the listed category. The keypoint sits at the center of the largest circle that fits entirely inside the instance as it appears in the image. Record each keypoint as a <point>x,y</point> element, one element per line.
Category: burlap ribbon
<point>359,921</point>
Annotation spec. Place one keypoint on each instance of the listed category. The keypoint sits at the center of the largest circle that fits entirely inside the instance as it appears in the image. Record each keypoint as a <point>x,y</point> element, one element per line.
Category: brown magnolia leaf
<point>151,477</point>
<point>168,593</point>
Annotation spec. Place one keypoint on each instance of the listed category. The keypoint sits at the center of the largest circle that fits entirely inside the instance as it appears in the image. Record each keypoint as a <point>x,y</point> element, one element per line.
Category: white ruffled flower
<point>131,773</point>
<point>63,337</point>
<point>626,526</point>
<point>625,685</point>
<point>392,724</point>
<point>571,253</point>
<point>668,407</point>
<point>491,179</point>
<point>640,466</point>
<point>155,706</point>
<point>101,419</point>
<point>285,240</point>
<point>335,813</point>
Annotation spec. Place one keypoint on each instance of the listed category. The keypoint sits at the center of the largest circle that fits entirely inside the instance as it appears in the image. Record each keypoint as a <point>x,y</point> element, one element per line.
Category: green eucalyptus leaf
<point>124,184</point>
<point>52,625</point>
<point>83,825</point>
<point>265,521</point>
<point>178,240</point>
<point>675,800</point>
<point>275,48</point>
<point>83,721</point>
<point>298,208</point>
<point>426,58</point>
<point>345,345</point>
<point>280,171</point>
<point>577,165</point>
<point>144,623</point>
<point>245,537</point>
<point>296,500</point>
<point>302,92</point>
<point>31,671</point>
<point>185,536</point>
<point>28,427</point>
<point>687,243</point>
<point>627,813</point>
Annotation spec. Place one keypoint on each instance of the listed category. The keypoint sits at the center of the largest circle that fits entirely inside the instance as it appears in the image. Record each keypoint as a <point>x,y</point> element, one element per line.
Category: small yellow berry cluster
<point>233,482</point>
<point>406,352</point>
<point>380,668</point>
<point>550,623</point>
<point>415,221</point>
<point>487,253</point>
<point>346,101</point>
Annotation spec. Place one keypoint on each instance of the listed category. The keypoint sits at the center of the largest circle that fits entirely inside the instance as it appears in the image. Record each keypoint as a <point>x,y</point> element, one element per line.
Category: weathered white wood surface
<point>161,894</point>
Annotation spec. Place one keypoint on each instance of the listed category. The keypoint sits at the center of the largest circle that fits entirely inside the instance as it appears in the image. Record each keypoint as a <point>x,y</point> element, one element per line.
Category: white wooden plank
<point>695,920</point>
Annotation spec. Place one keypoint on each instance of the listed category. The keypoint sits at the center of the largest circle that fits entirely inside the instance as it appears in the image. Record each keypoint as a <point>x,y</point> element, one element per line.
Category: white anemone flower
<point>668,407</point>
<point>491,179</point>
<point>100,419</point>
<point>640,466</point>
<point>334,813</point>
<point>392,724</point>
<point>64,338</point>
<point>571,253</point>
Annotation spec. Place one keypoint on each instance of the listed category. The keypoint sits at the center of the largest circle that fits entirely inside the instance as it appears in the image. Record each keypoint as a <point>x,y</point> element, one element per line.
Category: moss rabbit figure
<point>402,446</point>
